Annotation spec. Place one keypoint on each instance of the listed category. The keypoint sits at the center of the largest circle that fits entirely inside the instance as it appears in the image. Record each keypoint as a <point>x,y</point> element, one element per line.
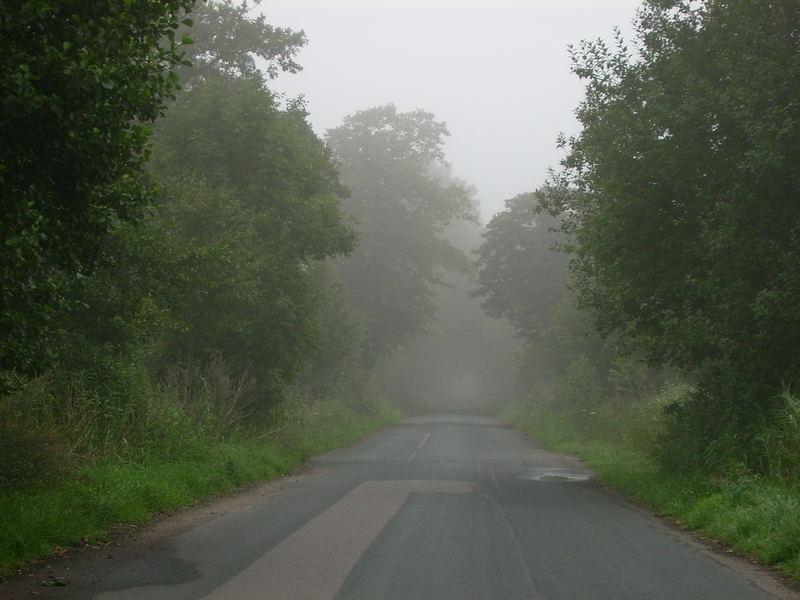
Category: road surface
<point>444,507</point>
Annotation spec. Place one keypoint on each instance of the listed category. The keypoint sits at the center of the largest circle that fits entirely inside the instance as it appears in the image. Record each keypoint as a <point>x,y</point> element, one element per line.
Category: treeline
<point>185,260</point>
<point>670,316</point>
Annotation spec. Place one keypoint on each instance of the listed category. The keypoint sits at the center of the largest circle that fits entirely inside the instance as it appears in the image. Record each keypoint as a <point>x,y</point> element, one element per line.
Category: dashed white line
<point>421,444</point>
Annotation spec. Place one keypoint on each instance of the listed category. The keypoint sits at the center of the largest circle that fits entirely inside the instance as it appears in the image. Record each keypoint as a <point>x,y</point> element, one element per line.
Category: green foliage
<point>769,443</point>
<point>521,275</point>
<point>114,410</point>
<point>223,265</point>
<point>680,197</point>
<point>227,38</point>
<point>612,398</point>
<point>388,160</point>
<point>29,451</point>
<point>78,82</point>
<point>253,207</point>
<point>330,424</point>
<point>231,132</point>
<point>572,376</point>
<point>781,439</point>
<point>335,370</point>
<point>182,300</point>
<point>55,513</point>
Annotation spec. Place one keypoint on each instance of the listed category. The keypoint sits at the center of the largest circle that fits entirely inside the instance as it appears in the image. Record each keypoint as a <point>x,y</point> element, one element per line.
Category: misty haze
<point>383,299</point>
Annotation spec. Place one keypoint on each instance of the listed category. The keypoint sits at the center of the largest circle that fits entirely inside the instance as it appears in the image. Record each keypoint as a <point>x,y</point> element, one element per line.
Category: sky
<point>497,72</point>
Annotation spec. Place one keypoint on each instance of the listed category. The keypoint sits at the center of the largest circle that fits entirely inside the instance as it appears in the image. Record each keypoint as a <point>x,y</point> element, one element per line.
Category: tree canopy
<point>79,81</point>
<point>253,196</point>
<point>388,160</point>
<point>227,38</point>
<point>681,194</point>
<point>521,275</point>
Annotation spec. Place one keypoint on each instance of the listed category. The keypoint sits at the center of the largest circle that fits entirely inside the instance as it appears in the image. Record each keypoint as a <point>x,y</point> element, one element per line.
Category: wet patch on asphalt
<point>553,474</point>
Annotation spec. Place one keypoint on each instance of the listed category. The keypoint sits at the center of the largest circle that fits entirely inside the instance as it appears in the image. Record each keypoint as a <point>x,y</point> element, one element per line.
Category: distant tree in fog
<point>521,275</point>
<point>401,206</point>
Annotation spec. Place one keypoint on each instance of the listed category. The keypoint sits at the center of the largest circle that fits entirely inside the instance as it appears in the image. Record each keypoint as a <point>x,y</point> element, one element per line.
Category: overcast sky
<point>497,72</point>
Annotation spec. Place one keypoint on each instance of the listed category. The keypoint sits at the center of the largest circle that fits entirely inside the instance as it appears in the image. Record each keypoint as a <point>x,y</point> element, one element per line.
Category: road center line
<point>494,481</point>
<point>421,444</point>
<point>313,562</point>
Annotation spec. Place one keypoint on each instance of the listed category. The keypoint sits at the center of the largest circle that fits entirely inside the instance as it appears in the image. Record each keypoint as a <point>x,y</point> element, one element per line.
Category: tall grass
<point>77,458</point>
<point>781,442</point>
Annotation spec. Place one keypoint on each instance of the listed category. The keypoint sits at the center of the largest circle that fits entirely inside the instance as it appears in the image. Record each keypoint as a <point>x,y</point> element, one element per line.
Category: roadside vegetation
<point>183,461</point>
<point>191,279</point>
<point>654,279</point>
<point>757,514</point>
<point>198,292</point>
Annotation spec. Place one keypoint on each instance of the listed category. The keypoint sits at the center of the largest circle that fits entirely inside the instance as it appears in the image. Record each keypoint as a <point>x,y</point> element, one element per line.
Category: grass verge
<point>752,515</point>
<point>85,507</point>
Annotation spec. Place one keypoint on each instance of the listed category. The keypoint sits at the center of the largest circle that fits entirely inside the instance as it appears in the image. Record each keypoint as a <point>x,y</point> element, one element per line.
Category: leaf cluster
<point>680,195</point>
<point>78,84</point>
<point>227,38</point>
<point>521,274</point>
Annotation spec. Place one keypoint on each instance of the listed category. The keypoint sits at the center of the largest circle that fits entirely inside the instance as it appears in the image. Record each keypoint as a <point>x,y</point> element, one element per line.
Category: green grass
<point>756,516</point>
<point>38,520</point>
<point>334,426</point>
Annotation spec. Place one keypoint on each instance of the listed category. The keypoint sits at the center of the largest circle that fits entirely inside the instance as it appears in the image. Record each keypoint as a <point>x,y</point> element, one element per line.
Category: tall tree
<point>227,38</point>
<point>272,209</point>
<point>78,83</point>
<point>248,202</point>
<point>521,275</point>
<point>388,161</point>
<point>681,194</point>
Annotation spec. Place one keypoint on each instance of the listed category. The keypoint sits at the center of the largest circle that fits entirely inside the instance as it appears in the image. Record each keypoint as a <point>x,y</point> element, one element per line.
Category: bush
<point>781,442</point>
<point>28,451</point>
<point>703,434</point>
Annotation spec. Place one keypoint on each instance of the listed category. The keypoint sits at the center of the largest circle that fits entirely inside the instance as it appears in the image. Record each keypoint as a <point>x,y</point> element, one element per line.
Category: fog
<point>213,272</point>
<point>497,72</point>
<point>464,360</point>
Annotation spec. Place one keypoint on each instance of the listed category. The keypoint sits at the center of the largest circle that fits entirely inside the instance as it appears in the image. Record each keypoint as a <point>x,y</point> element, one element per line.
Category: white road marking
<point>313,562</point>
<point>494,481</point>
<point>421,444</point>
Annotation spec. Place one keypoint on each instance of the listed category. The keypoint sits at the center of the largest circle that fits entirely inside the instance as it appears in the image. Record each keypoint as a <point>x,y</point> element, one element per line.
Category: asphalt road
<point>441,507</point>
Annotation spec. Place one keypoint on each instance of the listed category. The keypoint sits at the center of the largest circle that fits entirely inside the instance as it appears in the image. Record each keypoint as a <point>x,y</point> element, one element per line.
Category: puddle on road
<point>553,474</point>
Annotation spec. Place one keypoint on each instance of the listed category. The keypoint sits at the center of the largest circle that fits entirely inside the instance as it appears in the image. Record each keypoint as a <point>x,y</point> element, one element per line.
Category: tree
<point>680,195</point>
<point>464,359</point>
<point>387,160</point>
<point>521,275</point>
<point>268,209</point>
<point>226,39</point>
<point>334,370</point>
<point>222,269</point>
<point>78,82</point>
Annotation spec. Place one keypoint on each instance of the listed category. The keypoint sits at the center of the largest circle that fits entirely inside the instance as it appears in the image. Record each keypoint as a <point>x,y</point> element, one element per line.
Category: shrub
<point>29,450</point>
